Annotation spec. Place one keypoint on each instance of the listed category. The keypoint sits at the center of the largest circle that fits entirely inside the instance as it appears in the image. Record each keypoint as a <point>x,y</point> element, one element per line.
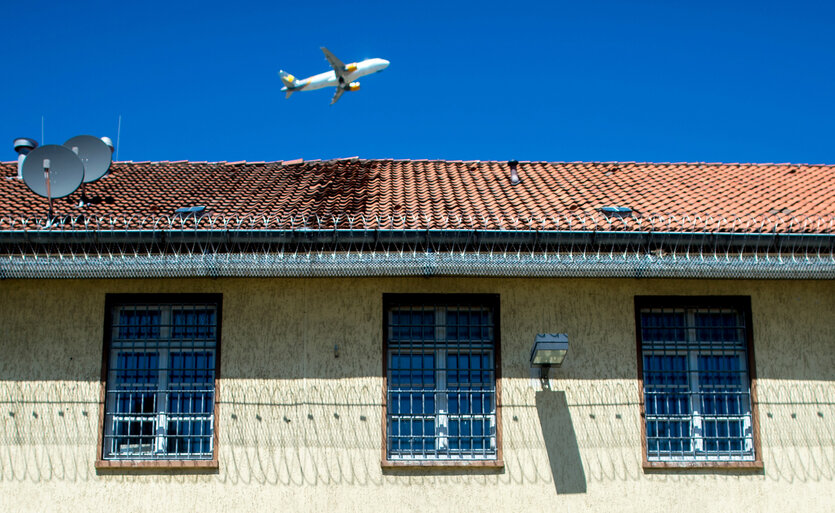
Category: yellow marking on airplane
<point>338,77</point>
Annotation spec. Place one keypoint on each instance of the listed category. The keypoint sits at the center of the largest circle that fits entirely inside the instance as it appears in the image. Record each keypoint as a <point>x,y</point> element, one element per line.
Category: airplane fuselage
<point>328,79</point>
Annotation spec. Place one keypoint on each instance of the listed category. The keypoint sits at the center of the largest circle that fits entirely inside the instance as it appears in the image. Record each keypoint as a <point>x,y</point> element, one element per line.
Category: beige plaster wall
<point>301,430</point>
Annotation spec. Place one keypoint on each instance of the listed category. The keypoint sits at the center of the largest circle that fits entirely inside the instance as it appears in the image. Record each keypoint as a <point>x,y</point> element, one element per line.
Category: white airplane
<point>343,76</point>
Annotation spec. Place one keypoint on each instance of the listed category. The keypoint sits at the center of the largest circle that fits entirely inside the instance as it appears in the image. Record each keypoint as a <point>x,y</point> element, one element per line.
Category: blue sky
<point>636,81</point>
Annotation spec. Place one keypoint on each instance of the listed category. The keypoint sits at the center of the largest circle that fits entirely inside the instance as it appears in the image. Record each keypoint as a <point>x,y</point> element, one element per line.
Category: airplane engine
<point>354,86</point>
<point>351,67</point>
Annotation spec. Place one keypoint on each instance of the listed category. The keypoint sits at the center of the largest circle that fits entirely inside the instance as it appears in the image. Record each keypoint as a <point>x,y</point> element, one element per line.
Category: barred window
<point>441,377</point>
<point>160,378</point>
<point>696,382</point>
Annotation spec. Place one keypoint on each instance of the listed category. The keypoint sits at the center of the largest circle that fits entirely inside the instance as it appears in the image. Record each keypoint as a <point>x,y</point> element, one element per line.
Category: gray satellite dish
<point>94,154</point>
<point>66,171</point>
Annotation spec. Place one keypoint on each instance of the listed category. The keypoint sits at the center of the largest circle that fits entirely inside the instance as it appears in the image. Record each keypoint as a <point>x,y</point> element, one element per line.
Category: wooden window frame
<point>115,300</point>
<point>743,305</point>
<point>490,300</point>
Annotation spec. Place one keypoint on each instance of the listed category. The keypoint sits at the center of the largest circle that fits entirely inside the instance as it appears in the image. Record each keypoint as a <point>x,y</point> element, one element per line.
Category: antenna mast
<point>118,136</point>
<point>48,188</point>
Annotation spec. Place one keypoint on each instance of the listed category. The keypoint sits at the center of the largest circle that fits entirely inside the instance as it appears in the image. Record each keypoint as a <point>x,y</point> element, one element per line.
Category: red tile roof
<point>428,194</point>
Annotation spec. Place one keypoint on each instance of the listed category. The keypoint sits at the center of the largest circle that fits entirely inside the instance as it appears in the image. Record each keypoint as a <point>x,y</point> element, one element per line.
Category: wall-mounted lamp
<point>548,351</point>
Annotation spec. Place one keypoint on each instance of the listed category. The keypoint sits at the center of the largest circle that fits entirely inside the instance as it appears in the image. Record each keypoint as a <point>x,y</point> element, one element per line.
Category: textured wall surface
<point>301,430</point>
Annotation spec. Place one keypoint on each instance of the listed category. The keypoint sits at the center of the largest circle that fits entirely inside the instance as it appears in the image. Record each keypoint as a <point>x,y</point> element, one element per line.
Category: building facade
<point>165,361</point>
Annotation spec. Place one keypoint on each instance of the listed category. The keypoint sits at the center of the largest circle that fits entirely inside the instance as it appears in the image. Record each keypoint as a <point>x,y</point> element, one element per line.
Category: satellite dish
<point>66,171</point>
<point>94,154</point>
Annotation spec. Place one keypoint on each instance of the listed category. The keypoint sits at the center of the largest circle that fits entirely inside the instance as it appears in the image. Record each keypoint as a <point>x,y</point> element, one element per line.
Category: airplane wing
<point>337,66</point>
<point>337,94</point>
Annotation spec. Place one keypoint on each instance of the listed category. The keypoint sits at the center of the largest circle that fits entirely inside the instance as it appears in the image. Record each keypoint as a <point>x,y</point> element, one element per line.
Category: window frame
<point>491,301</point>
<point>113,301</point>
<point>742,305</point>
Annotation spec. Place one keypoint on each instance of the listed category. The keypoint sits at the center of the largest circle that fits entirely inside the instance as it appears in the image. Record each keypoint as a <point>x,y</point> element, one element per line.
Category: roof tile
<point>419,188</point>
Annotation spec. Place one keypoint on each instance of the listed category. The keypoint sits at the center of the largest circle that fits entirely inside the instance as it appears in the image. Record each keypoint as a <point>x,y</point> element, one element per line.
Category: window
<point>161,367</point>
<point>695,360</point>
<point>441,362</point>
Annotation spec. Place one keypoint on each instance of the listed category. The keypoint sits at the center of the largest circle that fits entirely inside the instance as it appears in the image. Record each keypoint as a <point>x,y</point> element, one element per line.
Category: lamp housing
<point>549,350</point>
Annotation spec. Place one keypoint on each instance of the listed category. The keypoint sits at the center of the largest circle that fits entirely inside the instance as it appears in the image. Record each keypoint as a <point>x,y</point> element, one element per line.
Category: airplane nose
<point>385,63</point>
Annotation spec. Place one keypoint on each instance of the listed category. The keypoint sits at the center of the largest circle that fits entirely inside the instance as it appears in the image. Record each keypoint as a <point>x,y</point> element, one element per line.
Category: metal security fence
<point>697,393</point>
<point>441,379</point>
<point>161,368</point>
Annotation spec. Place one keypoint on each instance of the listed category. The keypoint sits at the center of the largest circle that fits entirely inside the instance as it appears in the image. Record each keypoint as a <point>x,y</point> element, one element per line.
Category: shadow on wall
<point>560,442</point>
<point>321,433</point>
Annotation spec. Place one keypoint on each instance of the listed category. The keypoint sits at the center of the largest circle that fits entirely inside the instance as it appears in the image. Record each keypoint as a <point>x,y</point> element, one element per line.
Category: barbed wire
<point>569,221</point>
<point>345,245</point>
<point>328,433</point>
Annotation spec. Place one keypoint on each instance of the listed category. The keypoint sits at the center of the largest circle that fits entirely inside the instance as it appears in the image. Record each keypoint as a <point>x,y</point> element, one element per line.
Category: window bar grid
<point>696,384</point>
<point>160,382</point>
<point>447,351</point>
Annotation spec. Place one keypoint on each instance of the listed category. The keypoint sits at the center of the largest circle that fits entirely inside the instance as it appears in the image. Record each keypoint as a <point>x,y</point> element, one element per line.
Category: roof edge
<point>467,161</point>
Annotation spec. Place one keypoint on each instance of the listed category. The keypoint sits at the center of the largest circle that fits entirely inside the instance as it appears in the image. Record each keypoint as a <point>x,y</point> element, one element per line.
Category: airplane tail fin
<point>289,93</point>
<point>288,79</point>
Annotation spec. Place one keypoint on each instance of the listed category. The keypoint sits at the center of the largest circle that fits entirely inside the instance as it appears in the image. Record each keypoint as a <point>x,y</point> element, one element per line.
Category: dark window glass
<point>138,324</point>
<point>194,324</point>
